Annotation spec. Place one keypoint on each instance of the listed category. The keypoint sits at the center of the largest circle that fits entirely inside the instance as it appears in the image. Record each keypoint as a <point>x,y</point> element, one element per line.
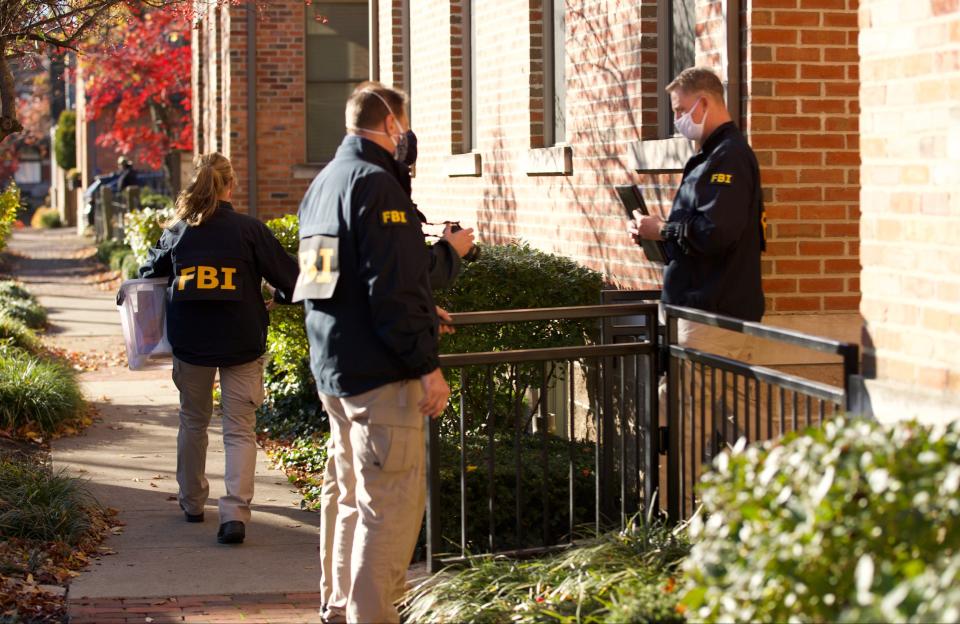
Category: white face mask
<point>686,126</point>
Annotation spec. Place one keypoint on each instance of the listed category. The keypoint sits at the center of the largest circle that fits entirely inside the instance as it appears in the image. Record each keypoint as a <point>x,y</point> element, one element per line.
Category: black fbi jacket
<point>365,282</point>
<point>215,309</point>
<point>715,232</point>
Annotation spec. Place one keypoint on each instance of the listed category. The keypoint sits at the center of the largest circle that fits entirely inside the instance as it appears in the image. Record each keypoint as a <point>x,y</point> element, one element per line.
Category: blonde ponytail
<point>214,175</point>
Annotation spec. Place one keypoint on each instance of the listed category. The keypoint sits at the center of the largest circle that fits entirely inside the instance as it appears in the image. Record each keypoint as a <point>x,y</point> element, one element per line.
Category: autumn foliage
<point>138,84</point>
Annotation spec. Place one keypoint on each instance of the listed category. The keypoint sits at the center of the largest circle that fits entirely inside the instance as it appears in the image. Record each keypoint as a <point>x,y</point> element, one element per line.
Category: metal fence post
<point>433,495</point>
<point>673,428</point>
<point>651,423</point>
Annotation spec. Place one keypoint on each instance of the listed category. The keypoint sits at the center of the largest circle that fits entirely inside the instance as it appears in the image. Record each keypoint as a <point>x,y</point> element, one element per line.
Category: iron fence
<point>542,417</point>
<point>713,400</point>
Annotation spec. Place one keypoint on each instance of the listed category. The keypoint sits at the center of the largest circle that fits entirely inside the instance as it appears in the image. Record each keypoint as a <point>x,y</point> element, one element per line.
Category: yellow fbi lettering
<point>309,270</point>
<point>393,217</point>
<point>207,277</point>
<point>721,178</point>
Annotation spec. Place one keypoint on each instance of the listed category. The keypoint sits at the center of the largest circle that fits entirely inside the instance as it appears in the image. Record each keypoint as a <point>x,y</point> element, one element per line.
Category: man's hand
<point>435,394</point>
<point>644,227</point>
<point>461,240</point>
<point>446,323</point>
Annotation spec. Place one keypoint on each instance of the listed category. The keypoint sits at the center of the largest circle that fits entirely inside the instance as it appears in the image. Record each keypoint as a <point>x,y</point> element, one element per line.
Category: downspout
<point>733,54</point>
<point>251,110</point>
<point>374,8</point>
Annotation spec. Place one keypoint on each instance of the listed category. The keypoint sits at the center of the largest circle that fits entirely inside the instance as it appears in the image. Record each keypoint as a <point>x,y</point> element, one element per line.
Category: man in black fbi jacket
<point>713,240</point>
<point>373,331</point>
<point>715,232</point>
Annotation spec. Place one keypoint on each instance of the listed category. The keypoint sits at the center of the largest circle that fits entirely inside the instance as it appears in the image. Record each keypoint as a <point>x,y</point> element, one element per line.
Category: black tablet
<point>632,199</point>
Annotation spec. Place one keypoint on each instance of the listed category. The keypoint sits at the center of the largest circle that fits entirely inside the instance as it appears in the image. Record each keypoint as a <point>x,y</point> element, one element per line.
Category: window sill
<point>557,160</point>
<point>660,155</point>
<point>463,165</point>
<point>307,171</point>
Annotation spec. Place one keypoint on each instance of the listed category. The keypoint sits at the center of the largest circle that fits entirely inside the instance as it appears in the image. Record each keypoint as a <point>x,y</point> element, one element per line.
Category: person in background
<point>215,260</point>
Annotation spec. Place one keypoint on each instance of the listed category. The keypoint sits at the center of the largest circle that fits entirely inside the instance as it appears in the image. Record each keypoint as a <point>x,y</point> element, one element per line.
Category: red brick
<point>791,267</point>
<point>841,266</point>
<point>821,285</point>
<point>799,230</point>
<point>796,304</point>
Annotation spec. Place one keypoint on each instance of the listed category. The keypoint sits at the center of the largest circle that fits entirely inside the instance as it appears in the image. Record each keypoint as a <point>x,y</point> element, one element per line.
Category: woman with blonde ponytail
<point>213,181</point>
<point>215,260</point>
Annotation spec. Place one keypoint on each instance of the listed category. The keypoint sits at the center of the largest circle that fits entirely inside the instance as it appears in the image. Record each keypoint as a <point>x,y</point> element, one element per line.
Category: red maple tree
<point>138,82</point>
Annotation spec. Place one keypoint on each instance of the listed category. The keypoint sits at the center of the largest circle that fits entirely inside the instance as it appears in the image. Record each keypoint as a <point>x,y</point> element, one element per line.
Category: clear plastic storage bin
<point>142,307</point>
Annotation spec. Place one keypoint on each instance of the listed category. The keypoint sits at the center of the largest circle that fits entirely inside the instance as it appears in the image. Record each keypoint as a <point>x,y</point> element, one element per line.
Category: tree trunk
<point>8,99</point>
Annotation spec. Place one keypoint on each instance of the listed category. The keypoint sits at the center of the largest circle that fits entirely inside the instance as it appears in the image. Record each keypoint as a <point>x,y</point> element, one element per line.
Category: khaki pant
<point>329,492</point>
<point>242,393</point>
<point>378,455</point>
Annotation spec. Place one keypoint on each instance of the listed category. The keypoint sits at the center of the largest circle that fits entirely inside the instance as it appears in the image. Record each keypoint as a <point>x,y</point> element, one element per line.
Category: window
<point>555,74</point>
<point>469,76</point>
<point>338,59</point>
<point>29,172</point>
<point>676,50</point>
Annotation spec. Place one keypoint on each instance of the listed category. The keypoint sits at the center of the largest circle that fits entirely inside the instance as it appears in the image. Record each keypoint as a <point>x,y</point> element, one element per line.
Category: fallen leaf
<point>154,485</point>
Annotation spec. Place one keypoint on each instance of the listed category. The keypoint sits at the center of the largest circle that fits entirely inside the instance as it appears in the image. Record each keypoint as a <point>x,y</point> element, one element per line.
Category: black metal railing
<point>715,400</point>
<point>542,413</point>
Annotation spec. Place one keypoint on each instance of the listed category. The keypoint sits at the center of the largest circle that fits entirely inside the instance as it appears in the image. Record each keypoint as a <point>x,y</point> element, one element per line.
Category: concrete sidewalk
<point>130,459</point>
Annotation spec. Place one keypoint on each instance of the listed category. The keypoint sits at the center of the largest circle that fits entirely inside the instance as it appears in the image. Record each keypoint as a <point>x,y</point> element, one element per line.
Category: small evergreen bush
<point>25,310</point>
<point>11,289</point>
<point>9,207</point>
<point>106,249</point>
<point>618,577</point>
<point>37,504</point>
<point>65,140</point>
<point>45,217</point>
<point>850,522</point>
<point>38,393</point>
<point>15,334</point>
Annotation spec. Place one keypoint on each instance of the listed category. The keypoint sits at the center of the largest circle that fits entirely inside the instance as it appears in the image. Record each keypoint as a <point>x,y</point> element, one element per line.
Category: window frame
<point>308,12</point>
<point>554,75</point>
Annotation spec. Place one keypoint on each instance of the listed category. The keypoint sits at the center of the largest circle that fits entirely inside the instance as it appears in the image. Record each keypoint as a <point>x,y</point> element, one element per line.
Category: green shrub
<point>534,487</point>
<point>619,577</point>
<point>106,249</point>
<point>130,268</point>
<point>505,278</point>
<point>118,257</point>
<point>10,289</point>
<point>15,334</point>
<point>39,505</point>
<point>27,311</point>
<point>143,229</point>
<point>292,408</point>
<point>306,457</point>
<point>849,522</point>
<point>65,140</point>
<point>37,393</point>
<point>9,207</point>
<point>156,201</point>
<point>50,219</point>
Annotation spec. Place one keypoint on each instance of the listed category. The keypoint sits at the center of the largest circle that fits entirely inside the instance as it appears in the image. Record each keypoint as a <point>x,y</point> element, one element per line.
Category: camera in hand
<point>474,251</point>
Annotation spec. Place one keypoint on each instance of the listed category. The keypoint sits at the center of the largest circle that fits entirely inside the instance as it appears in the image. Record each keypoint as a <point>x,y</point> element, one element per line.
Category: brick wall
<point>801,72</point>
<point>800,110</point>
<point>910,124</point>
<point>280,116</point>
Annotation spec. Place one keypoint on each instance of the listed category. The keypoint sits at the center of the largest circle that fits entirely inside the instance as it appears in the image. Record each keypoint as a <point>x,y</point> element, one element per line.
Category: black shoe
<point>192,517</point>
<point>231,532</point>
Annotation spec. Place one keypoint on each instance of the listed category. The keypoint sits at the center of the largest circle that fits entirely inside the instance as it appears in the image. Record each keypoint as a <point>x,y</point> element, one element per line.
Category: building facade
<point>528,112</point>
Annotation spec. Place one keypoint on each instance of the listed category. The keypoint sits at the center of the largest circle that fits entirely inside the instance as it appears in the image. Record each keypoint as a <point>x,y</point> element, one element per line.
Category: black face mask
<point>408,145</point>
